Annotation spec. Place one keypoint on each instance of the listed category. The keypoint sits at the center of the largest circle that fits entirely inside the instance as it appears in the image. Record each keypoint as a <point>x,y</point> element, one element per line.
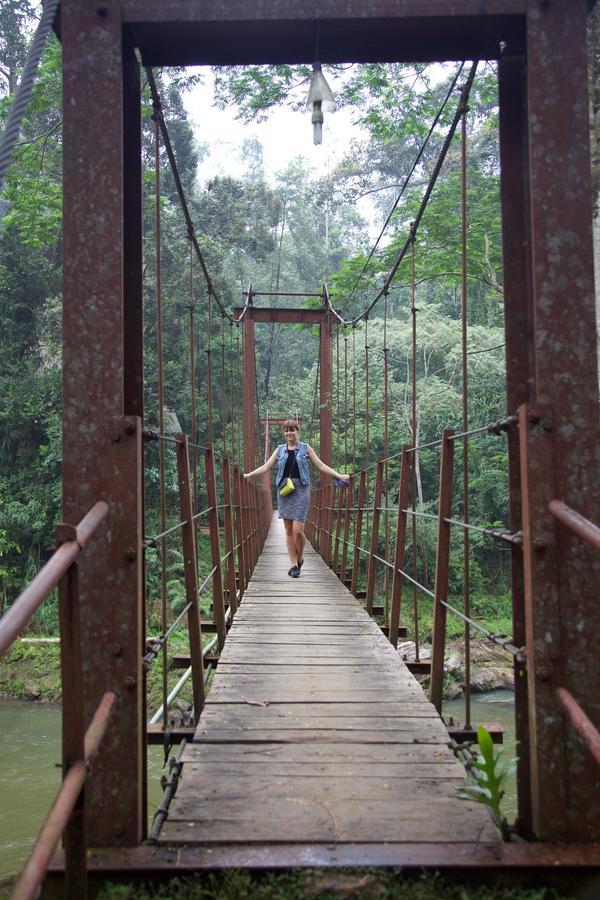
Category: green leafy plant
<point>489,774</point>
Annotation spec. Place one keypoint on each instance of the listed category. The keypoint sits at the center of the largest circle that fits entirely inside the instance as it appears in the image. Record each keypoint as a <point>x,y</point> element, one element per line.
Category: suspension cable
<point>406,180</point>
<point>464,96</point>
<point>158,114</point>
<point>18,109</point>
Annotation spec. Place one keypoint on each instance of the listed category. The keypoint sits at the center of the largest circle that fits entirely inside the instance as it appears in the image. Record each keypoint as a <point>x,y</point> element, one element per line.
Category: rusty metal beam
<point>566,382</point>
<point>449,856</point>
<point>518,325</point>
<point>284,316</point>
<point>181,32</point>
<point>102,451</point>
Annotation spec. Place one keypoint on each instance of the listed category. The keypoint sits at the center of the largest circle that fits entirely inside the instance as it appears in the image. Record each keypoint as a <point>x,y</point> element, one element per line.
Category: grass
<point>362,884</point>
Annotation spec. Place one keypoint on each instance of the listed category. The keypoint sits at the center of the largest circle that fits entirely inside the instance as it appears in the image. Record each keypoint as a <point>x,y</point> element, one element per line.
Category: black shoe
<point>295,572</point>
<point>301,563</point>
<point>291,570</point>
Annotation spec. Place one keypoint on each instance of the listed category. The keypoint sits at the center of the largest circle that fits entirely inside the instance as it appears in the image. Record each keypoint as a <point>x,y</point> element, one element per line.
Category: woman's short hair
<point>291,423</point>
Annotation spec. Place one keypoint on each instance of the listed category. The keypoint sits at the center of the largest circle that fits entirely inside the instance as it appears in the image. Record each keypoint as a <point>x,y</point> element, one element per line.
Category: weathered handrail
<point>576,522</point>
<point>35,868</point>
<point>580,722</point>
<point>29,601</point>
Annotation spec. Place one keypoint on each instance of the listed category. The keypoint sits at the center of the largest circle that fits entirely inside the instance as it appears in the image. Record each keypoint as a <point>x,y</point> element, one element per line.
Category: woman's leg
<point>290,540</point>
<point>299,540</point>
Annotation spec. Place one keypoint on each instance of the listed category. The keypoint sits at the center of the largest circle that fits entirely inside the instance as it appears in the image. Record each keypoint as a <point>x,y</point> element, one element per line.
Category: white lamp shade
<point>319,91</point>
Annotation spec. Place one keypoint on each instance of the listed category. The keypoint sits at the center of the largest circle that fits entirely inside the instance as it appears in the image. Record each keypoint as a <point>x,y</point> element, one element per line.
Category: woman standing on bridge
<point>292,463</point>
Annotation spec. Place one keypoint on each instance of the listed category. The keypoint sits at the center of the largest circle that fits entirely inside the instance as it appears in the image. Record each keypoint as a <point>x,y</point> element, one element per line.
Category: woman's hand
<point>345,478</point>
<point>247,475</point>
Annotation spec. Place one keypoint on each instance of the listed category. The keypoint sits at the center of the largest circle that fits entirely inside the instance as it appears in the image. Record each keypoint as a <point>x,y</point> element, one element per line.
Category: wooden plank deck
<point>315,732</point>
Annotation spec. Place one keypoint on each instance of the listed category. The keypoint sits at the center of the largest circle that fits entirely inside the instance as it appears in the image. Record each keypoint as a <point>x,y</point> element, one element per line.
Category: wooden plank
<point>320,753</point>
<point>230,768</point>
<point>405,709</point>
<point>320,819</point>
<point>315,731</point>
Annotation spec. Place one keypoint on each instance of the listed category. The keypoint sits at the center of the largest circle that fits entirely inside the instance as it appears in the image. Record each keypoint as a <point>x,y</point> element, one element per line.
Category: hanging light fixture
<point>320,99</point>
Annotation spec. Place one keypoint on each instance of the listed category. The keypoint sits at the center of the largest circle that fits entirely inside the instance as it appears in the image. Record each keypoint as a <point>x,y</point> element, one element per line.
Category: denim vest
<point>301,457</point>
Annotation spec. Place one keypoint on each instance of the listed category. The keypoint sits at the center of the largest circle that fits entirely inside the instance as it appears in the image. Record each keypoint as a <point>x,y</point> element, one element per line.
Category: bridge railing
<point>334,545</point>
<point>240,532</point>
<point>589,532</point>
<point>67,814</point>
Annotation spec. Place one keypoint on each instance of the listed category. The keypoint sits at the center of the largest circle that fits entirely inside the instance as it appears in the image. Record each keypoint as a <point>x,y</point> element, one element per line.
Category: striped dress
<point>295,505</point>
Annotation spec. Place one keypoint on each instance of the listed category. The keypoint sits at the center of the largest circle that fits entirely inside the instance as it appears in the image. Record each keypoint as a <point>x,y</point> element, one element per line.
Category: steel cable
<point>464,96</point>
<point>18,109</point>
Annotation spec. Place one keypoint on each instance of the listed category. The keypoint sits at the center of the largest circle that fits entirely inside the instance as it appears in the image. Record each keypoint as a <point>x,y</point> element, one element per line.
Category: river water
<point>30,735</point>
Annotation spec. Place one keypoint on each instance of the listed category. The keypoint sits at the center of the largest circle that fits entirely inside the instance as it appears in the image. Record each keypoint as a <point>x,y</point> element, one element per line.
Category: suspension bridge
<point>311,742</point>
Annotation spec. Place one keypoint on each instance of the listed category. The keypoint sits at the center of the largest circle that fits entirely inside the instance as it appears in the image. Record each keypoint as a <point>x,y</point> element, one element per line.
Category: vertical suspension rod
<point>465,413</point>
<point>386,519</point>
<point>193,385</point>
<point>161,403</point>
<point>415,440</point>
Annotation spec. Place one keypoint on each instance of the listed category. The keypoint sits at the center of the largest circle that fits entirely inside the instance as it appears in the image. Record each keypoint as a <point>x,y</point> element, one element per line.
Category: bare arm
<point>264,468</point>
<point>323,467</point>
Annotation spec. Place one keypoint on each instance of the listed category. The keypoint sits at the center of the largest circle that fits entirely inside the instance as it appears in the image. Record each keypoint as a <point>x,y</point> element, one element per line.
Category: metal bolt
<point>539,544</point>
<point>118,651</point>
<point>130,555</point>
<point>547,423</point>
<point>102,12</point>
<point>129,426</point>
<point>115,437</point>
<point>534,416</point>
<point>543,673</point>
<point>555,654</point>
<point>129,683</point>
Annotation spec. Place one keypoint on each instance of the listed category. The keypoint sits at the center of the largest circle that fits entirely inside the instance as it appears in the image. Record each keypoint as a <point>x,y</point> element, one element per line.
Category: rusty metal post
<point>239,531</point>
<point>546,661</point>
<point>229,541</point>
<point>73,725</point>
<point>566,380</point>
<point>372,562</point>
<point>518,326</point>
<point>442,559</point>
<point>347,513</point>
<point>358,531</point>
<point>215,546</point>
<point>190,571</point>
<point>400,548</point>
<point>318,515</point>
<point>249,375</point>
<point>336,512</point>
<point>102,450</point>
<point>325,391</point>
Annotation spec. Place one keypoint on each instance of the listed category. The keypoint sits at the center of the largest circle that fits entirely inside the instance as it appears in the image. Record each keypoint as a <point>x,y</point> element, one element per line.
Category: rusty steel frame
<point>190,570</point>
<point>442,566</point>
<point>374,540</point>
<point>358,532</point>
<point>253,314</point>
<point>550,332</point>
<point>215,548</point>
<point>534,859</point>
<point>400,546</point>
<point>229,538</point>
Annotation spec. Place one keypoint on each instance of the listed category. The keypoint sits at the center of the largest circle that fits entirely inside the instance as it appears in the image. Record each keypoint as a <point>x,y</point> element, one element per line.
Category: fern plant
<point>489,776</point>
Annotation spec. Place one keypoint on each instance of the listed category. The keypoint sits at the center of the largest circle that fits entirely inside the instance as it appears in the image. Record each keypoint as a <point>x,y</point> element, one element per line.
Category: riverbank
<point>31,671</point>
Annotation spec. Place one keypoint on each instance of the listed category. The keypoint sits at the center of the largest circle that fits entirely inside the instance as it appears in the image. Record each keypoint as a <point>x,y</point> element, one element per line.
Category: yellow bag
<point>288,488</point>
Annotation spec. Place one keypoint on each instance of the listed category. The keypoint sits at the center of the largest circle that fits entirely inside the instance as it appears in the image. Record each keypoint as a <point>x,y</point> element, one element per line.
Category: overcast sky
<point>284,135</point>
